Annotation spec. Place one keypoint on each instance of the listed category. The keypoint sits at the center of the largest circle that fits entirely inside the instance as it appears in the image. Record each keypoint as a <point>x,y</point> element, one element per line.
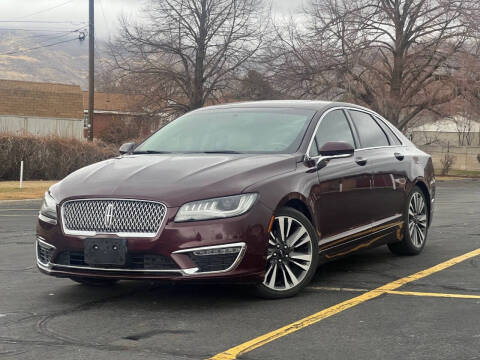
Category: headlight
<point>48,211</point>
<point>216,208</point>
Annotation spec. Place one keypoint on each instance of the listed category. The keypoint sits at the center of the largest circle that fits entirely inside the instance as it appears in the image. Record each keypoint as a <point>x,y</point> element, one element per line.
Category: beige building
<point>41,109</point>
<point>454,131</point>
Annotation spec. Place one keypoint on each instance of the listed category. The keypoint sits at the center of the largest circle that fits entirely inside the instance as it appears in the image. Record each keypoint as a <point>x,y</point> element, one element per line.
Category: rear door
<point>396,154</point>
<point>384,161</point>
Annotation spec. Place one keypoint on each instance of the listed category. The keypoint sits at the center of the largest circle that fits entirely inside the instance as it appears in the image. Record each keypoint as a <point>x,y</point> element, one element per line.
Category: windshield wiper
<point>151,152</point>
<point>222,152</point>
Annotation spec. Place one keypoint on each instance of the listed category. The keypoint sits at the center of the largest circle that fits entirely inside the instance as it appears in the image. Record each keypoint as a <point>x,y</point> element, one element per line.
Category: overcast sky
<point>73,14</point>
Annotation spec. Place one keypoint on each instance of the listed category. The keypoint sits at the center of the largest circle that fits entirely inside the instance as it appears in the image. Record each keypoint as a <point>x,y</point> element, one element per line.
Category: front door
<point>344,185</point>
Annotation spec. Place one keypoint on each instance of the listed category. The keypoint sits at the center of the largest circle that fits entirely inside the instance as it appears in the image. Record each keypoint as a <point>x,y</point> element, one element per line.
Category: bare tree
<point>447,161</point>
<point>255,86</point>
<point>465,108</point>
<point>396,56</point>
<point>183,53</point>
<point>465,128</point>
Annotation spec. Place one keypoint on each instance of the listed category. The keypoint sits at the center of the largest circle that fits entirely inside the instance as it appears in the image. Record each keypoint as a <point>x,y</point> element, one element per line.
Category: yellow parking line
<point>429,294</point>
<point>250,345</point>
<point>328,288</point>
<point>398,292</point>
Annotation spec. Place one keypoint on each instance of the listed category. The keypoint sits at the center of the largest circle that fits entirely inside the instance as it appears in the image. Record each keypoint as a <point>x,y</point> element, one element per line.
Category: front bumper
<point>231,249</point>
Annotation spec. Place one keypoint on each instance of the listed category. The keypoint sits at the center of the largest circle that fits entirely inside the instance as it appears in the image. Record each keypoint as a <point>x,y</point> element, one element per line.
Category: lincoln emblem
<point>109,216</point>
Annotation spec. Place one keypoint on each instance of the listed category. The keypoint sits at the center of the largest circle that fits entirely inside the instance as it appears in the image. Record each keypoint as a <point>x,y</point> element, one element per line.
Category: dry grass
<point>459,175</point>
<point>449,178</point>
<point>465,173</point>
<point>9,190</point>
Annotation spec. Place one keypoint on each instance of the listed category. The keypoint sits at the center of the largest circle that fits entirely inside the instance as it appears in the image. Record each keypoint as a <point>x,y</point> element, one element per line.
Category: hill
<point>66,62</point>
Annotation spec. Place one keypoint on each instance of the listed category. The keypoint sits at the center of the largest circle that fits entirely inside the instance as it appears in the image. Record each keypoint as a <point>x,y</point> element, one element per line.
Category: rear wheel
<point>93,282</point>
<point>292,256</point>
<point>416,225</point>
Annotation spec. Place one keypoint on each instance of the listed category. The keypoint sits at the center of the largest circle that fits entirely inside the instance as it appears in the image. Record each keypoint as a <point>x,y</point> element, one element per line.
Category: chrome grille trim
<point>131,217</point>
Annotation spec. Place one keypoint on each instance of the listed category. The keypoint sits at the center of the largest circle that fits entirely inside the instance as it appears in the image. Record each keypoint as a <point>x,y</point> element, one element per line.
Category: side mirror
<point>334,148</point>
<point>126,148</point>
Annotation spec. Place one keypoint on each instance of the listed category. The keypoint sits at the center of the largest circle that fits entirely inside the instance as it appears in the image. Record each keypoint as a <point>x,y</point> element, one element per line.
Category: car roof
<point>317,105</point>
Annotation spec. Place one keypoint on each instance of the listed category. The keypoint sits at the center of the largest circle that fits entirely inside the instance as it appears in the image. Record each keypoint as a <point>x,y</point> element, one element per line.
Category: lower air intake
<point>44,253</point>
<point>215,259</point>
<point>134,261</point>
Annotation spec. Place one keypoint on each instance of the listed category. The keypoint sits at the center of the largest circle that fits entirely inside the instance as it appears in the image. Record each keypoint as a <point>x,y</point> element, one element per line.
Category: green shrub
<point>48,158</point>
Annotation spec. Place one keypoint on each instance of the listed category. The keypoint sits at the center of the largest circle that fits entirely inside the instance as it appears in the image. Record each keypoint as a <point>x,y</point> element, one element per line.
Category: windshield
<point>233,130</point>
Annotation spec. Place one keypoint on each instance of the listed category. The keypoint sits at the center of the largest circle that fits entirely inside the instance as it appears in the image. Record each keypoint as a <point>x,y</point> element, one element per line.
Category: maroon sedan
<point>257,192</point>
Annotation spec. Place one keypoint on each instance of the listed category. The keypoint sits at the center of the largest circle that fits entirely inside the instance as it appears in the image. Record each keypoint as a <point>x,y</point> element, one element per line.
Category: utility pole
<point>91,67</point>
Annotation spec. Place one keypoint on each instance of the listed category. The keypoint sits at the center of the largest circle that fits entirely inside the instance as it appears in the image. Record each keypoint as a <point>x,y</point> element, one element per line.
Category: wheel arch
<point>298,202</point>
<point>426,192</point>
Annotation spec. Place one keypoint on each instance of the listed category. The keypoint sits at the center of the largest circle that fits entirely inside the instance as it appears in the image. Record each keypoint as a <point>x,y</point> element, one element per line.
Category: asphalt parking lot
<point>368,306</point>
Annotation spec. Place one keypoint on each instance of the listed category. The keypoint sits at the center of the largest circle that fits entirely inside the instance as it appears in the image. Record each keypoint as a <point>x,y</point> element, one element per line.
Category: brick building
<point>118,110</point>
<point>41,108</point>
<point>59,109</point>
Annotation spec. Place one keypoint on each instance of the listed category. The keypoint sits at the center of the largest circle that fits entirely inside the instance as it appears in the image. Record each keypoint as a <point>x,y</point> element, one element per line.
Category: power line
<point>44,22</point>
<point>37,47</point>
<point>36,30</point>
<point>79,30</point>
<point>52,36</point>
<point>45,10</point>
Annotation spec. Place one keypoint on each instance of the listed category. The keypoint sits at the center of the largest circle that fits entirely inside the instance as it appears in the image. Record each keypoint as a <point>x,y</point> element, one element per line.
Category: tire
<point>292,258</point>
<point>93,282</point>
<point>416,225</point>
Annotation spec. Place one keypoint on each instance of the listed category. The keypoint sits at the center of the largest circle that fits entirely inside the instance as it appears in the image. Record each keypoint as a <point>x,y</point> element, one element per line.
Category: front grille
<point>134,261</point>
<point>113,216</point>
<point>44,253</point>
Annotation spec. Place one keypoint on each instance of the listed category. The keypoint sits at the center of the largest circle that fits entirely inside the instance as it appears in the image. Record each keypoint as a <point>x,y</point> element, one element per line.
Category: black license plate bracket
<point>105,251</point>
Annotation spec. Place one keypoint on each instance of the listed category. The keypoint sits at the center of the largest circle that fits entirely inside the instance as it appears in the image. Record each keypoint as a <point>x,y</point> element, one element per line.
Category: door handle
<point>399,156</point>
<point>361,161</point>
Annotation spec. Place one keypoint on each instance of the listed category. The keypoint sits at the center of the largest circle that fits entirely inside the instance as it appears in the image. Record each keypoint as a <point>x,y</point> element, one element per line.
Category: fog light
<point>216,258</point>
<point>218,251</point>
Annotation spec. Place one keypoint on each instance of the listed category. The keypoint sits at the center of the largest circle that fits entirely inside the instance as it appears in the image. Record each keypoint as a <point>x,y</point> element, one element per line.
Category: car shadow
<point>221,294</point>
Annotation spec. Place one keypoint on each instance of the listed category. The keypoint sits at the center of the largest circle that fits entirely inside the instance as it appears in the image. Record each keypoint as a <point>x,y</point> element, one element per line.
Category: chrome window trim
<point>119,234</point>
<point>365,110</point>
<point>232,267</point>
<point>307,154</point>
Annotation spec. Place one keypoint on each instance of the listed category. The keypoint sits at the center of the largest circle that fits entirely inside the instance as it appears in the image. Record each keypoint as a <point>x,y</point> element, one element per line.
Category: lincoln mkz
<point>259,193</point>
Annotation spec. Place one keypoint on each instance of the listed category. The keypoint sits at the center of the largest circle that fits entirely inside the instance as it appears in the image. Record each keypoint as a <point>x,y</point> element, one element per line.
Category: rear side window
<point>369,132</point>
<point>334,127</point>
<point>391,135</point>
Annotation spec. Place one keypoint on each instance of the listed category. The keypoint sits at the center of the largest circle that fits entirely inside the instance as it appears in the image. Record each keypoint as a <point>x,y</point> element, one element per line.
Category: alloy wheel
<point>289,256</point>
<point>417,219</point>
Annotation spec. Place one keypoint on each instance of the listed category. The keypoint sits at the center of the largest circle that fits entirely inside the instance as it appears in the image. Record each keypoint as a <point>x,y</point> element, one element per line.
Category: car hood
<point>172,178</point>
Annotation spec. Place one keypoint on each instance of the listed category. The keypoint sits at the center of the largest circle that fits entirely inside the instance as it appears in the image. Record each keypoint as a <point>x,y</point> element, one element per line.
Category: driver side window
<point>333,127</point>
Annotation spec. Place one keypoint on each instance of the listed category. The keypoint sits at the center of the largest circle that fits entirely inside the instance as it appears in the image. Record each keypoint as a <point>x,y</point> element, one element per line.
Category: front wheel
<point>416,225</point>
<point>292,255</point>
